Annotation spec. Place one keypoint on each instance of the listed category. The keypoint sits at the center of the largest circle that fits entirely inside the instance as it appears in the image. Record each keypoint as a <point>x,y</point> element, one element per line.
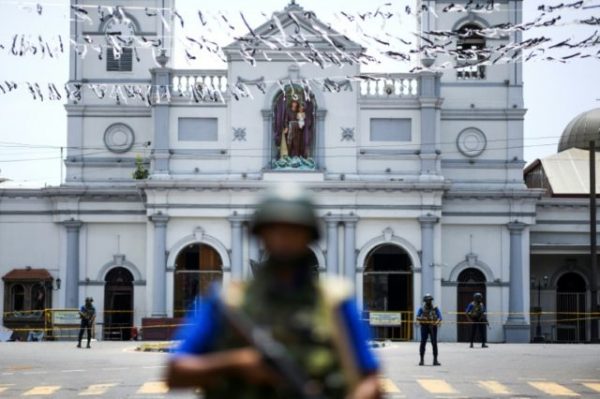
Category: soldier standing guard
<point>315,342</point>
<point>429,317</point>
<point>477,316</point>
<point>87,314</point>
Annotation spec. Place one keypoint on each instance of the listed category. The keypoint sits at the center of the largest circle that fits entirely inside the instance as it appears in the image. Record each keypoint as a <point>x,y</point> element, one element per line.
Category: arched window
<point>197,268</point>
<point>471,53</point>
<point>18,298</point>
<point>38,297</point>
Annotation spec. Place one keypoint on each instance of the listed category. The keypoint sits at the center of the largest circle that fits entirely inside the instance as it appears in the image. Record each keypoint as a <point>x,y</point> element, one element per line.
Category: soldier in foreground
<point>87,314</point>
<point>429,317</point>
<point>283,335</point>
<point>477,316</point>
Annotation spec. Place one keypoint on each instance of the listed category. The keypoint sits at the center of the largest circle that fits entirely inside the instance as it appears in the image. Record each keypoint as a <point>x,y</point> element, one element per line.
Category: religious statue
<point>293,130</point>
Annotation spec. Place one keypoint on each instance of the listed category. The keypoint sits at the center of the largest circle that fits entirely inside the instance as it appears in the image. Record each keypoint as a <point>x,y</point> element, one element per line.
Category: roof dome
<point>583,128</point>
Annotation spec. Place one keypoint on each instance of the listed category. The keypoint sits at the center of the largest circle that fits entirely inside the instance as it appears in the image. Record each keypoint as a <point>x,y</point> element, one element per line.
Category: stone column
<point>236,247</point>
<point>267,117</point>
<point>350,247</point>
<point>253,250</point>
<point>72,273</point>
<point>428,98</point>
<point>161,77</point>
<point>516,328</point>
<point>427,253</point>
<point>319,143</point>
<point>159,294</point>
<point>332,244</point>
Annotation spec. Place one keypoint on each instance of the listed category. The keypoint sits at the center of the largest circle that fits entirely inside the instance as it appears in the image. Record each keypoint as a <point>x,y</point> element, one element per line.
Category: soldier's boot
<point>422,362</point>
<point>471,344</point>
<point>79,344</point>
<point>435,362</point>
<point>88,345</point>
<point>484,346</point>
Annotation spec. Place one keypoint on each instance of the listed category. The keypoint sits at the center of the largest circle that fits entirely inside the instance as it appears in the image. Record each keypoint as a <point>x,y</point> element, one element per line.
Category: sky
<point>32,132</point>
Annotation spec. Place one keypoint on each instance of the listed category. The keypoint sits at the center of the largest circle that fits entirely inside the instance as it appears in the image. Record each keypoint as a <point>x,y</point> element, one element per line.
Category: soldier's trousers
<point>428,332</point>
<point>85,325</point>
<point>481,327</point>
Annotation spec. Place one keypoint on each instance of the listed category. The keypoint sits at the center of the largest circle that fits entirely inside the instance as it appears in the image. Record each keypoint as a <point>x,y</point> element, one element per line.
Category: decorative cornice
<point>516,227</point>
<point>483,114</point>
<point>349,219</point>
<point>237,219</point>
<point>72,225</point>
<point>159,219</point>
<point>428,220</point>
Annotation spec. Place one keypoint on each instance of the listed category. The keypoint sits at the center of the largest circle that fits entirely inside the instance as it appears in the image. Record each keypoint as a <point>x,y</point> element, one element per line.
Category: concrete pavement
<point>114,370</point>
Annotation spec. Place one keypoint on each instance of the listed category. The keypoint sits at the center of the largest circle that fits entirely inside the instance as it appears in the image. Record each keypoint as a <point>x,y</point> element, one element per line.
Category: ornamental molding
<point>239,133</point>
<point>348,133</point>
<point>471,142</point>
<point>119,138</point>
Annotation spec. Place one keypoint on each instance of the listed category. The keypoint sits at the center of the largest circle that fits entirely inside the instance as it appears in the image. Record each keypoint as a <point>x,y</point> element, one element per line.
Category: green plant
<point>140,172</point>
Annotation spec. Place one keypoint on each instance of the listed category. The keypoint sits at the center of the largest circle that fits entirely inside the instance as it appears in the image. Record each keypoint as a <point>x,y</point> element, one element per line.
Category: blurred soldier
<point>87,314</point>
<point>429,317</point>
<point>478,318</point>
<point>315,343</point>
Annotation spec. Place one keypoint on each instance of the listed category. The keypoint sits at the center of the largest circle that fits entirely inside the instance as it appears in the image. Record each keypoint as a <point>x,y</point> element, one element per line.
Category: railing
<point>390,86</point>
<point>186,81</point>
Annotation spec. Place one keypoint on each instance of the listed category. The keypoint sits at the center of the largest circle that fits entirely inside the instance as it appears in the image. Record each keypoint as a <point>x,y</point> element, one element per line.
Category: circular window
<point>119,138</point>
<point>471,142</point>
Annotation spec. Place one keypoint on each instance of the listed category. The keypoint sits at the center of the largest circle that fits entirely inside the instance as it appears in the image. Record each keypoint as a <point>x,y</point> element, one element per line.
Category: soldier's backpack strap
<point>334,292</point>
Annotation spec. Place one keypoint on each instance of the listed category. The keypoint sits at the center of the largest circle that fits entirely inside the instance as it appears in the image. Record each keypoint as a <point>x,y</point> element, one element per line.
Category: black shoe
<point>88,346</point>
<point>471,346</point>
<point>484,346</point>
<point>79,345</point>
<point>436,363</point>
<point>421,363</point>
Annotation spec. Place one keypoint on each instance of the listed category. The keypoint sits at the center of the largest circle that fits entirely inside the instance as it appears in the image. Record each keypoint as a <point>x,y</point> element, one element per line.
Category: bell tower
<point>482,113</point>
<point>113,48</point>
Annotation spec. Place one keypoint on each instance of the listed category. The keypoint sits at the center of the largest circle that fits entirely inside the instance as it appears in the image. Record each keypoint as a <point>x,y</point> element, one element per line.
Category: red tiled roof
<point>27,274</point>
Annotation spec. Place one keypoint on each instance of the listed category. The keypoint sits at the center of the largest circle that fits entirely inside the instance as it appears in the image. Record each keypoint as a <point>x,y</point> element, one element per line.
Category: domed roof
<point>583,128</point>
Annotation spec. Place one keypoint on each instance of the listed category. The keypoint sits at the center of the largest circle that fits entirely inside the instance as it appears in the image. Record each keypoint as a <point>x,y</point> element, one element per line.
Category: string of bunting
<point>435,41</point>
<point>433,44</point>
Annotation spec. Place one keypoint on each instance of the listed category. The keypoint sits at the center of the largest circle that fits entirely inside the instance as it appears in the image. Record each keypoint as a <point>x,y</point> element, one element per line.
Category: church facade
<point>418,180</point>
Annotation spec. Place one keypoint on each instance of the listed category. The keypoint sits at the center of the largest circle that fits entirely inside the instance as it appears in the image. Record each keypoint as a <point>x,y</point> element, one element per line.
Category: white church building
<point>418,180</point>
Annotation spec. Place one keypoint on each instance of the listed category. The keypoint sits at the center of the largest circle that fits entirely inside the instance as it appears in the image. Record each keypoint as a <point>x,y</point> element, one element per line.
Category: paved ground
<point>113,370</point>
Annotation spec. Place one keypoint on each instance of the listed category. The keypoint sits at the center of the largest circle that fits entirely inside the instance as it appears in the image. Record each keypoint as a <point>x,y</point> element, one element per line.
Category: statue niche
<point>294,112</point>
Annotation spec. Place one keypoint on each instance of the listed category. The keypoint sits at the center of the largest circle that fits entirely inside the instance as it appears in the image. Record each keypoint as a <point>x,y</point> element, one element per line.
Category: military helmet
<point>287,204</point>
<point>89,299</point>
<point>477,295</point>
<point>427,297</point>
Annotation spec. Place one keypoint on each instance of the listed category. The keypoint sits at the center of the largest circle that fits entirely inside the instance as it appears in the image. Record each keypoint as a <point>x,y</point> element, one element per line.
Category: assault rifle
<point>274,353</point>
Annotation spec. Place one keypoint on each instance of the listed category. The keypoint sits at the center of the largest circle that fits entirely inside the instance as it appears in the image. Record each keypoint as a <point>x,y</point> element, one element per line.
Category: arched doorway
<point>388,287</point>
<point>470,281</point>
<point>197,267</point>
<point>118,304</point>
<point>570,308</point>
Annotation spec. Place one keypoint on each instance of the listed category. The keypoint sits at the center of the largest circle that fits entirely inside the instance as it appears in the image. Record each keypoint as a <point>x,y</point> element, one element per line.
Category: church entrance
<point>470,281</point>
<point>118,304</point>
<point>570,308</point>
<point>197,268</point>
<point>388,287</point>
